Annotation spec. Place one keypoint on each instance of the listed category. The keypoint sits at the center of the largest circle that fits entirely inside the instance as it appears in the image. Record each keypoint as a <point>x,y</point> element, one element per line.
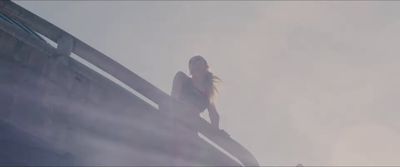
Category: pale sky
<point>303,82</point>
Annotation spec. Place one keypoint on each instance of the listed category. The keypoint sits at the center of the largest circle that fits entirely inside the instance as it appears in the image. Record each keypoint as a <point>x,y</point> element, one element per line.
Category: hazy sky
<point>303,82</point>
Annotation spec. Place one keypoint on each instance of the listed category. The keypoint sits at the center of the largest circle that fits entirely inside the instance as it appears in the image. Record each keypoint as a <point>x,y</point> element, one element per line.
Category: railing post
<point>65,45</point>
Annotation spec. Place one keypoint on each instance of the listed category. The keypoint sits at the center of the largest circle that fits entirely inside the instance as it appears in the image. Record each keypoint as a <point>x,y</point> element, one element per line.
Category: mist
<point>303,82</point>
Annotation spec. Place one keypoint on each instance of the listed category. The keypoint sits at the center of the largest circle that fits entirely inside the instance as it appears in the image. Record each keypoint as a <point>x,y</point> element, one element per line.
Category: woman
<point>197,91</point>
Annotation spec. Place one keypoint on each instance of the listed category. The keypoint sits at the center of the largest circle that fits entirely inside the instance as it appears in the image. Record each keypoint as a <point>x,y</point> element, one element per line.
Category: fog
<point>303,82</point>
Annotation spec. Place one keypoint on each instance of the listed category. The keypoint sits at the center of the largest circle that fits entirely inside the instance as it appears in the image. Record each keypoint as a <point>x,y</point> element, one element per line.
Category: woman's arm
<point>177,84</point>
<point>213,114</point>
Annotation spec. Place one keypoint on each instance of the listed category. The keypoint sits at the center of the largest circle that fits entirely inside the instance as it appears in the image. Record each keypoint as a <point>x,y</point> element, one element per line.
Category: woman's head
<point>198,65</point>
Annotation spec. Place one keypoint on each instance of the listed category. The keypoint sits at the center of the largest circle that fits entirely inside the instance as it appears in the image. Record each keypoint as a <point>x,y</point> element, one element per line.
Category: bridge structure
<point>57,110</point>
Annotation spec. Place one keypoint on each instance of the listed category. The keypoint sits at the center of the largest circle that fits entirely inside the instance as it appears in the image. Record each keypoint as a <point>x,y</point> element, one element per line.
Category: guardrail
<point>67,44</point>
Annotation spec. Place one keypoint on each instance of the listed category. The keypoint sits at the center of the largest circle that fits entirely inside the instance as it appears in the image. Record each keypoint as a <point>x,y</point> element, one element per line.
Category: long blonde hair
<point>212,89</point>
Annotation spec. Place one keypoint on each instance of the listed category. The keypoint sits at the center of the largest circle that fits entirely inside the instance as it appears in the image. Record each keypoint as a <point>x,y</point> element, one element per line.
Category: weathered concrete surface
<point>21,148</point>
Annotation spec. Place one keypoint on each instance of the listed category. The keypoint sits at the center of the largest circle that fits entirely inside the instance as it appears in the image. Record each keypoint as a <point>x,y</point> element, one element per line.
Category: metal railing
<point>67,44</point>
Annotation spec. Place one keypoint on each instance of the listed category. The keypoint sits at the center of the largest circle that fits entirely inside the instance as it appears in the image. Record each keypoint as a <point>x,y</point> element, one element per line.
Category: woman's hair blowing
<point>211,85</point>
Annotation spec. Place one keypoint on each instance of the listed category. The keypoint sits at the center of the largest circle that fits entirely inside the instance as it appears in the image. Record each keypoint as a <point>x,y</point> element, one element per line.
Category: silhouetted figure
<point>197,91</point>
